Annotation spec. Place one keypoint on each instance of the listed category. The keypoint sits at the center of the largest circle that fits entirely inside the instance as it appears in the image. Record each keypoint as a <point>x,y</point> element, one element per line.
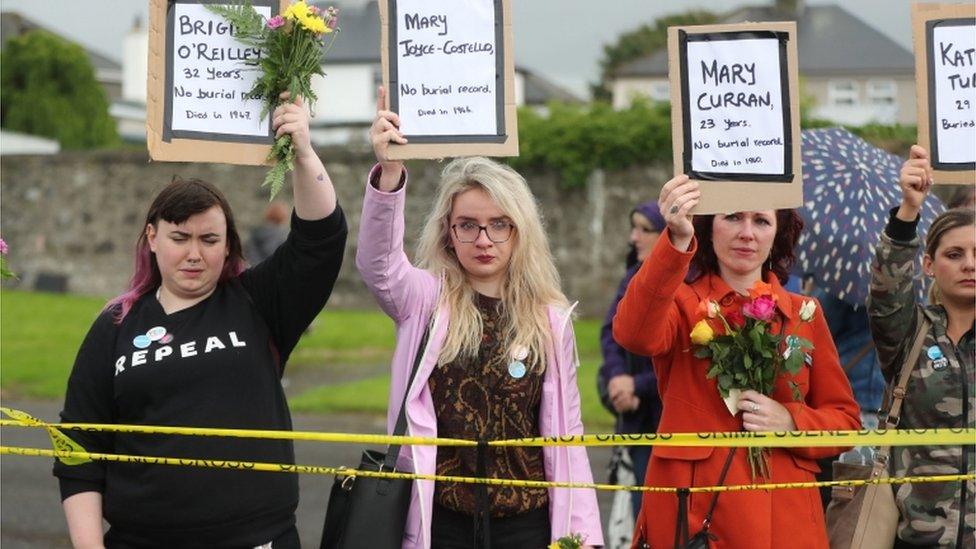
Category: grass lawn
<point>40,335</point>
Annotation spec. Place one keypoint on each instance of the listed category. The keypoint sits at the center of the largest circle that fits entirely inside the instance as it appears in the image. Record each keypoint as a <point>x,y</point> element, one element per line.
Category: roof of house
<point>830,40</point>
<point>359,42</point>
<point>13,24</point>
<point>539,91</point>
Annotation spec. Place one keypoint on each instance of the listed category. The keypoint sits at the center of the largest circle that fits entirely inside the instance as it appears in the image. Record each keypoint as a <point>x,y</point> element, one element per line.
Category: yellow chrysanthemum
<point>314,24</point>
<point>297,11</point>
<point>702,333</point>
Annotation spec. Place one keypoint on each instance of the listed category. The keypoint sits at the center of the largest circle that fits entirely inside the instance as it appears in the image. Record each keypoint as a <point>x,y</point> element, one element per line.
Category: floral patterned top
<point>482,398</point>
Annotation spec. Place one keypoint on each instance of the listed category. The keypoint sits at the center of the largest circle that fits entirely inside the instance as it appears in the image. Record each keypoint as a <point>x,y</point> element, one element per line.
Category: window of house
<point>882,92</point>
<point>842,92</point>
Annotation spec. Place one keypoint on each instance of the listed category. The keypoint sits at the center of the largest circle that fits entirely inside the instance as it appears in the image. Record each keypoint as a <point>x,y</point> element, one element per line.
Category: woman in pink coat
<point>500,361</point>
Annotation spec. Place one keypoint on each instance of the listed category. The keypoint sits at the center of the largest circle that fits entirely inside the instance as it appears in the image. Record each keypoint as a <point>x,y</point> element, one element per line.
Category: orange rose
<point>760,289</point>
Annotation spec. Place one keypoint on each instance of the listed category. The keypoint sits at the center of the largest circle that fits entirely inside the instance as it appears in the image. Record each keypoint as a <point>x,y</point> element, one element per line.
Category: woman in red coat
<point>729,254</point>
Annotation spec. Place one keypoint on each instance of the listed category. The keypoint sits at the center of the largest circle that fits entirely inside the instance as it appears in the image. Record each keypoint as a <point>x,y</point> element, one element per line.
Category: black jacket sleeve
<point>90,399</point>
<point>292,286</point>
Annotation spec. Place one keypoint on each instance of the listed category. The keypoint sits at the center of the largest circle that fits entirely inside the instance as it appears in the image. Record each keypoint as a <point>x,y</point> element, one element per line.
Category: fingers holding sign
<point>915,180</point>
<point>386,130</point>
<point>292,118</point>
<point>678,197</point>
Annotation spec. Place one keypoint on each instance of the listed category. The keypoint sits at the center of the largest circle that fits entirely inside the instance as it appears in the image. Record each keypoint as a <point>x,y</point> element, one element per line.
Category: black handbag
<point>367,512</point>
<point>701,539</point>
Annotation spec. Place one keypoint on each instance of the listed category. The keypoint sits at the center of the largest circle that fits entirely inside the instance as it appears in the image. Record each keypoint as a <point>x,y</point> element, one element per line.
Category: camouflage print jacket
<point>930,512</point>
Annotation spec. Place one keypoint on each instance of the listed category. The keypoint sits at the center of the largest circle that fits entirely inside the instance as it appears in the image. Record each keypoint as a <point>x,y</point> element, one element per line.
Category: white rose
<point>807,309</point>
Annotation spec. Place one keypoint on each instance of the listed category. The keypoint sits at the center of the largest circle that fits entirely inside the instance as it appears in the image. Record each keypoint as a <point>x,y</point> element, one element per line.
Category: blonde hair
<point>531,282</point>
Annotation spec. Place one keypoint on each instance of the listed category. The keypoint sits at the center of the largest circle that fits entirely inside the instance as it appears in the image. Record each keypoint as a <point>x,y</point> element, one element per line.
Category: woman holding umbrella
<point>730,253</point>
<point>941,387</point>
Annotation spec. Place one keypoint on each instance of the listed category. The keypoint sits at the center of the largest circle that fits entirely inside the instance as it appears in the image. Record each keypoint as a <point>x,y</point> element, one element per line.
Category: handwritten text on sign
<point>954,59</point>
<point>445,60</point>
<point>210,82</point>
<point>735,106</point>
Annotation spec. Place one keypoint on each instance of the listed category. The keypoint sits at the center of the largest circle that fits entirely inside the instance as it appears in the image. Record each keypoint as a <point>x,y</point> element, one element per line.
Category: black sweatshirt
<point>222,368</point>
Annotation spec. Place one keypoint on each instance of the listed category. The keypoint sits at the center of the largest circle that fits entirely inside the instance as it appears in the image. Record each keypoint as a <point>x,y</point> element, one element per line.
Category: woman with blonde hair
<point>498,360</point>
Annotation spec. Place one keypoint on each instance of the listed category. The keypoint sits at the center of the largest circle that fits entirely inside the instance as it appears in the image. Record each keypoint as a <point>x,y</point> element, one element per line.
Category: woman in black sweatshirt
<point>199,340</point>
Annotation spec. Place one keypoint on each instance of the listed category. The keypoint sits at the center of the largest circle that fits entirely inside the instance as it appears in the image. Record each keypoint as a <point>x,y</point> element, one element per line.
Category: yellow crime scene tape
<point>770,439</point>
<point>71,453</point>
<point>348,472</point>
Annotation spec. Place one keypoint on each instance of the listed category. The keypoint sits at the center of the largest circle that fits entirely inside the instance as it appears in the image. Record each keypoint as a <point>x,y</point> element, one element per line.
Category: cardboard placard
<point>449,72</point>
<point>197,108</point>
<point>735,114</point>
<point>944,37</point>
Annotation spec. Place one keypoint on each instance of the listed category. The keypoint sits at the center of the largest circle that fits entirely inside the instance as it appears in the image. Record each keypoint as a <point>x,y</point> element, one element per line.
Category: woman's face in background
<point>643,236</point>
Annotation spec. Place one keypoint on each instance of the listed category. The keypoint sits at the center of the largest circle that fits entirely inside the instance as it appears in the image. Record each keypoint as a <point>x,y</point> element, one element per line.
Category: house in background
<point>852,73</point>
<point>346,95</point>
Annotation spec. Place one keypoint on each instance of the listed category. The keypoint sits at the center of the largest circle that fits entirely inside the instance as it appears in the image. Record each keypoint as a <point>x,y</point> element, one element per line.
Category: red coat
<point>655,318</point>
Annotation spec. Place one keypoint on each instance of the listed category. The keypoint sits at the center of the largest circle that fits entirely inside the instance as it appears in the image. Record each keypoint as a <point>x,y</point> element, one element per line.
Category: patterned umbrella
<point>848,187</point>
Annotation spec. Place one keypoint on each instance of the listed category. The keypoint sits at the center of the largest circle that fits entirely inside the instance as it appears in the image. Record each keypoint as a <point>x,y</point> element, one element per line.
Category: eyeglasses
<point>498,231</point>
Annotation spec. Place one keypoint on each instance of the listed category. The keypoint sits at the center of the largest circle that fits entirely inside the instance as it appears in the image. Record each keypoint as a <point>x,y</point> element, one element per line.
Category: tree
<point>643,40</point>
<point>48,88</point>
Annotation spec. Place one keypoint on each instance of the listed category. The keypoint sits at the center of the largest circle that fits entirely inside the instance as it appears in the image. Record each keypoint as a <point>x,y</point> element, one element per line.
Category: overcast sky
<point>560,39</point>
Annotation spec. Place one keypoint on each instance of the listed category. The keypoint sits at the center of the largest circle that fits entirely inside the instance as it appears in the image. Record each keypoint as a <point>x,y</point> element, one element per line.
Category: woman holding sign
<point>736,256</point>
<point>499,363</point>
<point>199,340</point>
<point>940,390</point>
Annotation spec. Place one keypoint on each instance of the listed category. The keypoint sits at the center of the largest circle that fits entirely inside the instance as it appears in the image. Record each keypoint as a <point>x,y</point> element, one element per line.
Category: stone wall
<point>75,217</point>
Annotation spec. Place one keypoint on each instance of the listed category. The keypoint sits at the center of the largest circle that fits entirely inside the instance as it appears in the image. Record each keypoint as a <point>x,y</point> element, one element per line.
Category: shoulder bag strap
<point>393,452</point>
<point>721,481</point>
<point>898,387</point>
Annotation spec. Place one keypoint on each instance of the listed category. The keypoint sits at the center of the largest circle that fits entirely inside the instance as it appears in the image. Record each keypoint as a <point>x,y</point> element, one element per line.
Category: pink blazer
<point>409,295</point>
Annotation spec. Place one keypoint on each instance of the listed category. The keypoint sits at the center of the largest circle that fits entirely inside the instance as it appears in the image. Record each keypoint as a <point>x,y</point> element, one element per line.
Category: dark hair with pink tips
<point>178,201</point>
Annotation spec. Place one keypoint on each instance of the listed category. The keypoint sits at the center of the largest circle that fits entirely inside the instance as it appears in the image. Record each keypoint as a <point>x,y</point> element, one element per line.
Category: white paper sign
<point>209,79</point>
<point>954,92</point>
<point>735,103</point>
<point>446,67</point>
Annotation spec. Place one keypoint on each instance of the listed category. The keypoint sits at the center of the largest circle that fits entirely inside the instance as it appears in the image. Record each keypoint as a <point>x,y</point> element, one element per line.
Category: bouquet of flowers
<point>745,353</point>
<point>291,53</point>
<point>573,541</point>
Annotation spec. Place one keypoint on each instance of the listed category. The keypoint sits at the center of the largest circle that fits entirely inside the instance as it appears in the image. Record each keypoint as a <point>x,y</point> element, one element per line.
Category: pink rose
<point>334,22</point>
<point>761,308</point>
<point>276,22</point>
<point>3,247</point>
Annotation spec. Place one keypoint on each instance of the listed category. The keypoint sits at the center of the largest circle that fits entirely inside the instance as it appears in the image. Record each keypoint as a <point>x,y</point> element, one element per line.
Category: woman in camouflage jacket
<point>940,390</point>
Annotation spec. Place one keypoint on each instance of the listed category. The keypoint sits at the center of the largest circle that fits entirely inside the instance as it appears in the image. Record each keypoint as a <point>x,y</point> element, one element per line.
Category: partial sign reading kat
<point>945,64</point>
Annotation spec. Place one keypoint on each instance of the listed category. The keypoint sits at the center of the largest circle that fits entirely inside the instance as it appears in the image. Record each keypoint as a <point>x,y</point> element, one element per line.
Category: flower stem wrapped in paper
<point>291,47</point>
<point>746,353</point>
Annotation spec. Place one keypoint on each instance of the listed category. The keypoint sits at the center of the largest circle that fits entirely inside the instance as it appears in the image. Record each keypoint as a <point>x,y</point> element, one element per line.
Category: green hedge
<point>574,140</point>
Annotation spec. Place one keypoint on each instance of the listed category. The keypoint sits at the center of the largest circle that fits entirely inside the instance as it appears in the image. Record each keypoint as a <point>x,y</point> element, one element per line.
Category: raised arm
<point>380,258</point>
<point>891,302</point>
<point>647,317</point>
<point>293,285</point>
<point>315,196</point>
